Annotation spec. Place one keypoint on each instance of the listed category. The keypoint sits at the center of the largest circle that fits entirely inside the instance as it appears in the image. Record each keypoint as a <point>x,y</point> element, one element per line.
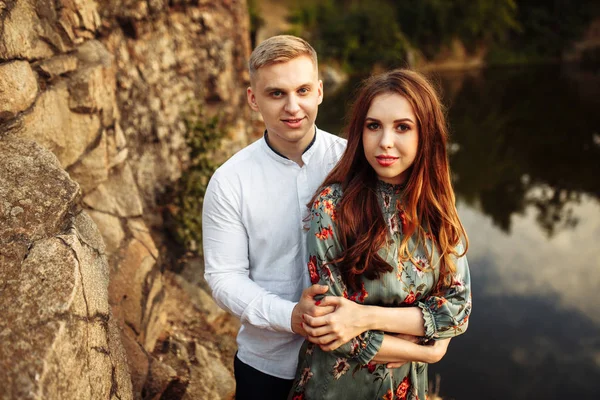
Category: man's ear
<point>251,98</point>
<point>320,91</point>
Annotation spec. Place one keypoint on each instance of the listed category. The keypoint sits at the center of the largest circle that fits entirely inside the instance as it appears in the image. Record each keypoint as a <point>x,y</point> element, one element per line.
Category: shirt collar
<point>280,157</point>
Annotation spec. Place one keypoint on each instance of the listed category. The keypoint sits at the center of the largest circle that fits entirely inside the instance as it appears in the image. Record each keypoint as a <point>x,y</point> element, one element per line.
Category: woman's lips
<point>386,161</point>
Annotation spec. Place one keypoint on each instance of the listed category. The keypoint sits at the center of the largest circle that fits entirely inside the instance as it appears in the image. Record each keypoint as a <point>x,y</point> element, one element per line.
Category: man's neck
<point>290,150</point>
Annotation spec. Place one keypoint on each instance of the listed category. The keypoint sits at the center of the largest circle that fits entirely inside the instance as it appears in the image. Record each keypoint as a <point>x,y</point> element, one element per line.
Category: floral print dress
<point>347,372</point>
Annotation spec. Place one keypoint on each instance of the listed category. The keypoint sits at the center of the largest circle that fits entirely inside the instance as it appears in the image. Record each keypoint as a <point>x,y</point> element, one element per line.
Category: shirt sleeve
<point>323,247</point>
<point>447,315</point>
<point>227,266</point>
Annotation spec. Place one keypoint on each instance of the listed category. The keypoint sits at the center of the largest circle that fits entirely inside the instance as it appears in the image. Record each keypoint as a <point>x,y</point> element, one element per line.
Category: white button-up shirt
<point>254,227</point>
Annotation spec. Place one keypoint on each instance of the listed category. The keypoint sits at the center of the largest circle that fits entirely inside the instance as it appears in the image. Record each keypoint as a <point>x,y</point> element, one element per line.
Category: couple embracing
<point>344,260</point>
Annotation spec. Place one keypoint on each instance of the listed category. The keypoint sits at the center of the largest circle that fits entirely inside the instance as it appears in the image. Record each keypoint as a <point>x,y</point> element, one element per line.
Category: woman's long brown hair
<point>429,202</point>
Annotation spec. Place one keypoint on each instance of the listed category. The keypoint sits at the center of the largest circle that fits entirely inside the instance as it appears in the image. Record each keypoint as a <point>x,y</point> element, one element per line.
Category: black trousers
<point>251,384</point>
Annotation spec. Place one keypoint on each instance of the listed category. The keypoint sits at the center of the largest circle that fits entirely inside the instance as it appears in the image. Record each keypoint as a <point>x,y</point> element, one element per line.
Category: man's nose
<point>292,105</point>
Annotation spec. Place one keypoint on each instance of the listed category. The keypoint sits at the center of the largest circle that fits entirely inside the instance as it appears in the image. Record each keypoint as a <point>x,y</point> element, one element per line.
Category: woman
<point>386,238</point>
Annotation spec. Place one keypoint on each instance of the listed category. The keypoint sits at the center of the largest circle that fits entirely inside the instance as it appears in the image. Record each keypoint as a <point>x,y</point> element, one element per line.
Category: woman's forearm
<point>393,349</point>
<point>407,320</point>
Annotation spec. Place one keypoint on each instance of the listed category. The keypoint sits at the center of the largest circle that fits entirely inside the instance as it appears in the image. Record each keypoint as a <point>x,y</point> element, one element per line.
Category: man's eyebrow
<point>275,88</point>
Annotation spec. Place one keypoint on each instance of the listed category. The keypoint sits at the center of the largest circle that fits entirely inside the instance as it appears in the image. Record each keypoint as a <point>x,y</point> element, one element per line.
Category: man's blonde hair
<point>276,49</point>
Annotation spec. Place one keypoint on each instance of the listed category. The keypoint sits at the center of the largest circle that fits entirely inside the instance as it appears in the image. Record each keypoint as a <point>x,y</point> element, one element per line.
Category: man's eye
<point>303,91</point>
<point>277,93</point>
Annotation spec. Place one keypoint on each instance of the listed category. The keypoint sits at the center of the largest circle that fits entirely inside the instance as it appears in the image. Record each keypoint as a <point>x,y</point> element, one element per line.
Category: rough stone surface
<point>92,168</point>
<point>109,95</point>
<point>110,228</point>
<point>18,88</point>
<point>118,196</point>
<point>35,29</point>
<point>199,354</point>
<point>59,65</point>
<point>53,125</point>
<point>92,87</point>
<point>54,303</point>
<point>169,58</point>
<point>128,283</point>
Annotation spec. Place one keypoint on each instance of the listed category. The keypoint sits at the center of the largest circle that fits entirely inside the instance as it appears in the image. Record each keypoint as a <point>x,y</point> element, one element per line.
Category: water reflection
<point>525,155</point>
<point>525,137</point>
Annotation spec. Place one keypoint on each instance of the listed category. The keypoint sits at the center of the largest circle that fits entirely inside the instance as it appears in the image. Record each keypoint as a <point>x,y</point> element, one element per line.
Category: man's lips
<point>293,122</point>
<point>385,160</point>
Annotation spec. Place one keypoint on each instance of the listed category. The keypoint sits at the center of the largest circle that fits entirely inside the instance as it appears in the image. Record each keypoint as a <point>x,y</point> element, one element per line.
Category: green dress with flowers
<point>347,372</point>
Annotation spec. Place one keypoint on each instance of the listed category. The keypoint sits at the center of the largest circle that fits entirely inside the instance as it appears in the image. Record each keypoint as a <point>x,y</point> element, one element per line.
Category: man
<point>255,218</point>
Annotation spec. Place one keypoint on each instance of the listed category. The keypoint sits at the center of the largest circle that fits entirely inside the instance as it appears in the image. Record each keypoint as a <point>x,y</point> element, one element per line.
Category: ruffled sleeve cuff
<point>430,325</point>
<point>369,346</point>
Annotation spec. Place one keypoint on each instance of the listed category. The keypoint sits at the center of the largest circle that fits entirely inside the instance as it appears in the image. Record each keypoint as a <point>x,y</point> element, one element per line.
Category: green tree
<point>357,34</point>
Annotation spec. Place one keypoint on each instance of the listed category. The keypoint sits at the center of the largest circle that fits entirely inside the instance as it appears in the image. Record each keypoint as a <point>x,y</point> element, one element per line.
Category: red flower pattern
<point>325,192</point>
<point>402,389</point>
<point>360,296</point>
<point>371,367</point>
<point>441,301</point>
<point>329,208</point>
<point>327,272</point>
<point>403,221</point>
<point>312,269</point>
<point>388,396</point>
<point>410,298</point>
<point>325,233</point>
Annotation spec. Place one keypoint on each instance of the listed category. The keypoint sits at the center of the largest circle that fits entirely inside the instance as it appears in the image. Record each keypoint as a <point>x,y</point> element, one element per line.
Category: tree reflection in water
<point>525,137</point>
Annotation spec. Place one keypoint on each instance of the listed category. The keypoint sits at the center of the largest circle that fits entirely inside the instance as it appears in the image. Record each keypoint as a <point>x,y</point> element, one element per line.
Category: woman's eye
<point>403,127</point>
<point>373,126</point>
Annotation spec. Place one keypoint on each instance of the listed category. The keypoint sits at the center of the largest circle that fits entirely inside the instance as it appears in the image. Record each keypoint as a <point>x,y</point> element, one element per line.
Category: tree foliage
<point>355,33</point>
<point>361,33</point>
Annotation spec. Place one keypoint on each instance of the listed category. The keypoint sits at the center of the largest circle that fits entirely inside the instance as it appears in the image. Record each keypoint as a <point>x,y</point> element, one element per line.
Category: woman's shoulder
<point>332,192</point>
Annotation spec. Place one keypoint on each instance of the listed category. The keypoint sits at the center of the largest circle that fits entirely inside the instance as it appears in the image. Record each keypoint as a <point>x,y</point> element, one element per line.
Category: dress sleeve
<point>323,247</point>
<point>447,315</point>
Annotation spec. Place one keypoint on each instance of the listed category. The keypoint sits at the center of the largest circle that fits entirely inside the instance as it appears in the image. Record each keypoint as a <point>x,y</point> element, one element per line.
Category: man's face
<point>287,95</point>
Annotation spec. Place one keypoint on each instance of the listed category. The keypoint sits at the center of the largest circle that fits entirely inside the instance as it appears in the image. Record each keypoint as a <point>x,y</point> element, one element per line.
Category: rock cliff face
<point>100,89</point>
<point>60,340</point>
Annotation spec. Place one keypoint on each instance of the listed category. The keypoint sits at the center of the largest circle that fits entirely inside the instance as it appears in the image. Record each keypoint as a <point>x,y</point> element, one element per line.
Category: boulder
<point>18,88</point>
<point>63,342</point>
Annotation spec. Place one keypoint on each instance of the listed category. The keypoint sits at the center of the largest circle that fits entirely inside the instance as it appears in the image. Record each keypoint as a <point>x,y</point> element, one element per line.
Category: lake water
<point>525,156</point>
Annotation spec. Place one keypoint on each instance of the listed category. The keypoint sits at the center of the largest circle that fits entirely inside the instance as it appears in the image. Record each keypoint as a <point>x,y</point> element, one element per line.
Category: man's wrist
<point>293,316</point>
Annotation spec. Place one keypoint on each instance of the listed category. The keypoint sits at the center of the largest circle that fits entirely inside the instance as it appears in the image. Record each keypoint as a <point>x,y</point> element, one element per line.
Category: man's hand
<point>306,306</point>
<point>338,327</point>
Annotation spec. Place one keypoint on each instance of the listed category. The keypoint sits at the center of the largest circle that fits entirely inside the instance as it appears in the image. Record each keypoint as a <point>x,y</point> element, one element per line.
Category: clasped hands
<point>334,321</point>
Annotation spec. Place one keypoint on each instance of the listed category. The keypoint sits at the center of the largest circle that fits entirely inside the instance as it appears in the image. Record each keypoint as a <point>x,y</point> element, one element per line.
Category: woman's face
<point>390,137</point>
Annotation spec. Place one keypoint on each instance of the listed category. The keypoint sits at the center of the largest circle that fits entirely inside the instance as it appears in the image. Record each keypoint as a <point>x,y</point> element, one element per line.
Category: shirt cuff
<point>282,316</point>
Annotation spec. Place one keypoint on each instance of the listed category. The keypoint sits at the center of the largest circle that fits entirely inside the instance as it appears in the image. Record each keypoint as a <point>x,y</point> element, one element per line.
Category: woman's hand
<point>437,350</point>
<point>337,328</point>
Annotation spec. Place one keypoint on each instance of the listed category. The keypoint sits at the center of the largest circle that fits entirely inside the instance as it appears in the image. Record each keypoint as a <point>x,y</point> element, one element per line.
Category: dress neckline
<point>389,188</point>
